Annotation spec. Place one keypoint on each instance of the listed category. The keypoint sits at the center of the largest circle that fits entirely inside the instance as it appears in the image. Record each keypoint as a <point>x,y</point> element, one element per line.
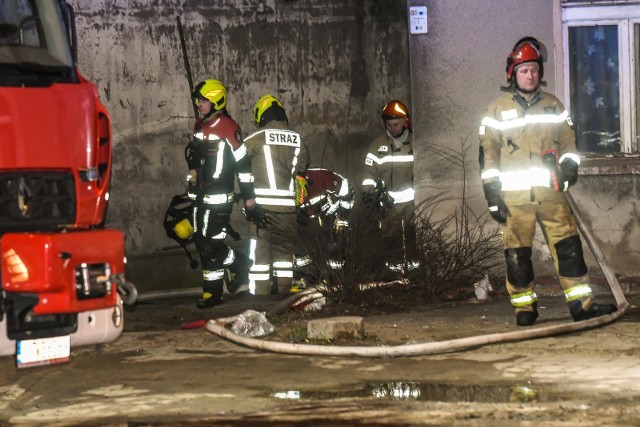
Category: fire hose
<point>429,348</point>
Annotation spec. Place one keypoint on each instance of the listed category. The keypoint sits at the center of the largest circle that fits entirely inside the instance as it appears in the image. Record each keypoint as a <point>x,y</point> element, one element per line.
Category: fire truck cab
<point>60,268</point>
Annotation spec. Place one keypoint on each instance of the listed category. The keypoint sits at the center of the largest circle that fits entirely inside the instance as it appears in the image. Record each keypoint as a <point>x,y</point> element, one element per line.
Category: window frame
<point>578,15</point>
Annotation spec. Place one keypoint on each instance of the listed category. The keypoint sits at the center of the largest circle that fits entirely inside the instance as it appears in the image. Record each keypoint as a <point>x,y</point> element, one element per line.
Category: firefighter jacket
<point>391,168</point>
<point>515,135</point>
<point>329,195</point>
<point>278,154</point>
<point>218,156</point>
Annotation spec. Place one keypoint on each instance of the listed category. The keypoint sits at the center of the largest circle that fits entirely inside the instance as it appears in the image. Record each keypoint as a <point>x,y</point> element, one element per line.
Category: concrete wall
<point>332,63</point>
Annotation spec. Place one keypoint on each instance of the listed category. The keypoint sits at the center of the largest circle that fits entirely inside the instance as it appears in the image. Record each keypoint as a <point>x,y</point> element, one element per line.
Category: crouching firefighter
<point>216,157</point>
<point>527,160</point>
<point>324,199</point>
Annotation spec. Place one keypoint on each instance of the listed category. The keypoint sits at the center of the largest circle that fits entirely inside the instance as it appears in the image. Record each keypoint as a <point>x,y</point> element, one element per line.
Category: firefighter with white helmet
<point>279,158</point>
<point>527,159</point>
<point>389,187</point>
<point>217,157</point>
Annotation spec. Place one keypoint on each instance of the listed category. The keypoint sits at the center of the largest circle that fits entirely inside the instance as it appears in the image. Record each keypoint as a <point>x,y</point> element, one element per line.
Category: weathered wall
<point>332,63</point>
<point>456,69</point>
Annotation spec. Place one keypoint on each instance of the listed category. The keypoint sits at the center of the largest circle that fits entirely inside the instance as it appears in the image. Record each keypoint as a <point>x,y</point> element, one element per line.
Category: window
<point>601,77</point>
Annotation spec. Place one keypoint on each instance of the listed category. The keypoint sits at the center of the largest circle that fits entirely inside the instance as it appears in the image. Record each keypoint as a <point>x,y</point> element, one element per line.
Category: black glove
<point>195,153</point>
<point>497,208</point>
<point>257,215</point>
<point>569,170</point>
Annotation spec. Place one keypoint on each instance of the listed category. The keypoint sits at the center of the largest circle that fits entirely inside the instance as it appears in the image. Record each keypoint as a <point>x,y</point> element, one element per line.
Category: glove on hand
<point>497,208</point>
<point>258,216</point>
<point>385,201</point>
<point>569,170</point>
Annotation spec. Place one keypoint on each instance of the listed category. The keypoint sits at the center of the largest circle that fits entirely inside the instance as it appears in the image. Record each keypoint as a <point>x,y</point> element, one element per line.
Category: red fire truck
<point>60,268</point>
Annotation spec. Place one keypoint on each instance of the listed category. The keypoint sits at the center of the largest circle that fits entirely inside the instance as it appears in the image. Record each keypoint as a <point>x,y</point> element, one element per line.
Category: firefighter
<point>527,160</point>
<point>388,186</point>
<point>325,213</point>
<point>216,156</point>
<point>279,158</point>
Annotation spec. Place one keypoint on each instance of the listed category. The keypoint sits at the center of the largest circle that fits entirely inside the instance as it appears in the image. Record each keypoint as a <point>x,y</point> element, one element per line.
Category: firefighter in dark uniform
<point>527,159</point>
<point>217,157</point>
<point>324,211</point>
<point>388,185</point>
<point>279,158</point>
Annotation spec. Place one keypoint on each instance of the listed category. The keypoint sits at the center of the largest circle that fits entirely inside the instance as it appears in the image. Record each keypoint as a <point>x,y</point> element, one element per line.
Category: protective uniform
<point>388,185</point>
<point>279,157</point>
<point>527,148</point>
<point>216,157</point>
<point>324,212</point>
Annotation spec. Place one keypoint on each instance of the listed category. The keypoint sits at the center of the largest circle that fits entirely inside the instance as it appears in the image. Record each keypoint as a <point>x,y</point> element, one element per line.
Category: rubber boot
<point>208,300</point>
<point>595,310</point>
<point>527,318</point>
<point>239,284</point>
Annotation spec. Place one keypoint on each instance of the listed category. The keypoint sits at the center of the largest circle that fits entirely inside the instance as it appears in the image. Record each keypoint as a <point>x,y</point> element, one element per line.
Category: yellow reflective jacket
<point>277,155</point>
<point>514,135</point>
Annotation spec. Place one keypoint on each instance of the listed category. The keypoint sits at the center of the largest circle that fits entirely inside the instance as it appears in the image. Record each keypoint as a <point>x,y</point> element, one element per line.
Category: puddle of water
<point>423,391</point>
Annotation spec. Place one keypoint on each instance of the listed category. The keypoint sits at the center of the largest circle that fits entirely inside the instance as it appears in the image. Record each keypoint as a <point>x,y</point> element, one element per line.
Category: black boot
<point>208,300</point>
<point>239,281</point>
<point>527,318</point>
<point>594,310</point>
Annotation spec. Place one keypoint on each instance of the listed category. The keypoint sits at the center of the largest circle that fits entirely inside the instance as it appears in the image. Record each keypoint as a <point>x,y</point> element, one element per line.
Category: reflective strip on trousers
<point>231,257</point>
<point>577,292</point>
<point>523,299</point>
<point>261,277</point>
<point>210,275</point>
<point>283,269</point>
<point>282,273</point>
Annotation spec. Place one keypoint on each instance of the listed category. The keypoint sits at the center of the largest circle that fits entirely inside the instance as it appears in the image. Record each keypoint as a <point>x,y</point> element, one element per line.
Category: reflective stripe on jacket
<point>277,154</point>
<point>513,136</point>
<point>224,159</point>
<point>393,166</point>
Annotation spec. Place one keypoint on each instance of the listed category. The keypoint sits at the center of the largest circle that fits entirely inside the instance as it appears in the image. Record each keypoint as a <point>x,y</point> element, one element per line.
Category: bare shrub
<point>453,251</point>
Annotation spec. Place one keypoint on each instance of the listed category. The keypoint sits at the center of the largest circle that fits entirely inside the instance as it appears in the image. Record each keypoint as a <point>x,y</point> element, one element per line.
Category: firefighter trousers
<point>560,232</point>
<point>215,256</point>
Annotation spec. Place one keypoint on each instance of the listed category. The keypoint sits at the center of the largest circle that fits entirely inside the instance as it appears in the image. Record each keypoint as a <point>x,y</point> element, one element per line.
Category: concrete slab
<point>333,328</point>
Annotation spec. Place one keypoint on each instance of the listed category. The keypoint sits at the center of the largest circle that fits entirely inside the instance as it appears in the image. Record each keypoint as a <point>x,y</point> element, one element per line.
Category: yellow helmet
<point>183,229</point>
<point>212,90</point>
<point>263,104</point>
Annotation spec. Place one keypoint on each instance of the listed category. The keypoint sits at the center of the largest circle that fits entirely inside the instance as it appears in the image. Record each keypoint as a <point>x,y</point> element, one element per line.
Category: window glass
<point>595,88</point>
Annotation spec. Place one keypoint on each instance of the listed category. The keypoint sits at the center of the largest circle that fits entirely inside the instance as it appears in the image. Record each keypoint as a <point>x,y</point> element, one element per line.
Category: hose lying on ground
<point>416,349</point>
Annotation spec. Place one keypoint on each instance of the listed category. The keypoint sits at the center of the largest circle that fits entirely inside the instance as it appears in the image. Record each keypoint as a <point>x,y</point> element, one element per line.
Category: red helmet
<point>396,110</point>
<point>527,49</point>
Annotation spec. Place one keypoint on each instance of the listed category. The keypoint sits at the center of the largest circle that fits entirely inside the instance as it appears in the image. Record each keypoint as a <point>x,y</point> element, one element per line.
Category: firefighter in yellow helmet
<point>216,158</point>
<point>527,160</point>
<point>388,187</point>
<point>279,157</point>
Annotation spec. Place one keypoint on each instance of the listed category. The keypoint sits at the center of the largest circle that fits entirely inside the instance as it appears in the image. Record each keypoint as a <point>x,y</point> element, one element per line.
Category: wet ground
<point>159,375</point>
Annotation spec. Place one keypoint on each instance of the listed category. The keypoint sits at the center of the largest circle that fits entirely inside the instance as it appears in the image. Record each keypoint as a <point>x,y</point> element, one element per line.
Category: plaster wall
<point>332,63</point>
<point>457,68</point>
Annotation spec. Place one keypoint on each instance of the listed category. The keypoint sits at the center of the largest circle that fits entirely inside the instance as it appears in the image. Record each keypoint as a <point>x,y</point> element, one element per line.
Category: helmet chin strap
<point>397,142</point>
<point>519,89</point>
